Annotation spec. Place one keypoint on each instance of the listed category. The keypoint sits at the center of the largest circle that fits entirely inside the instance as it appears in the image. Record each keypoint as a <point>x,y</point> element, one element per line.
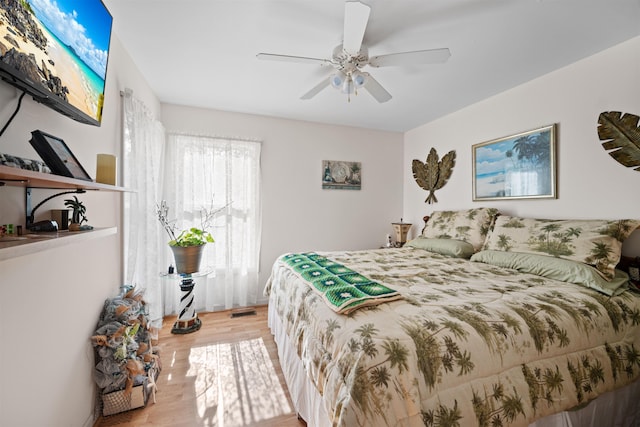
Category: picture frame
<point>57,156</point>
<point>341,175</point>
<point>520,166</point>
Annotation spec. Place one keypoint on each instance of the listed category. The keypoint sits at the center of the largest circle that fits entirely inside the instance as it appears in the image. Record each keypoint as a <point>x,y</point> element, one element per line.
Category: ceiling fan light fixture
<point>338,79</point>
<point>359,79</point>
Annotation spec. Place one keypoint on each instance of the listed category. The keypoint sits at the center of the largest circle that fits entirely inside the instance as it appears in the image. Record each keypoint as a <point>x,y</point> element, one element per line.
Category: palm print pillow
<point>594,242</point>
<point>471,225</point>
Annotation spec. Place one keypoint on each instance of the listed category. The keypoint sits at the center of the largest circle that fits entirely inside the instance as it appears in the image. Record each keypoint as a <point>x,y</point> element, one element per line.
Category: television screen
<point>57,51</point>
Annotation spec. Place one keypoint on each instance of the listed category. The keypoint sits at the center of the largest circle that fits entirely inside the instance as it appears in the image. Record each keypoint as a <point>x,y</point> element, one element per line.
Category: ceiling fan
<point>351,56</point>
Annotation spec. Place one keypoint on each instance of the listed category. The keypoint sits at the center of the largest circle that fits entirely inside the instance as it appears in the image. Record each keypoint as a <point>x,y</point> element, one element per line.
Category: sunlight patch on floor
<point>236,384</point>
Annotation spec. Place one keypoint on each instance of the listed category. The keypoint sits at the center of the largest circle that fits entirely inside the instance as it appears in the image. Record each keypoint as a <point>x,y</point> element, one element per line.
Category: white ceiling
<point>202,53</point>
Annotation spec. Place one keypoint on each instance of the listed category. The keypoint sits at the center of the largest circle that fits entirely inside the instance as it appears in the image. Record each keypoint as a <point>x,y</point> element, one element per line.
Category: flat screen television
<point>57,52</point>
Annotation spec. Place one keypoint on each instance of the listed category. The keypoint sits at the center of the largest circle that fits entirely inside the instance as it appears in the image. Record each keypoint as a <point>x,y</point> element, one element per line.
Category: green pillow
<point>448,247</point>
<point>556,268</point>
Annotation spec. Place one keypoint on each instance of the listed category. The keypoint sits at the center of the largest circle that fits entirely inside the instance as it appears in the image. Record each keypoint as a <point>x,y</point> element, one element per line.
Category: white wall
<point>297,214</point>
<point>590,183</point>
<point>50,301</point>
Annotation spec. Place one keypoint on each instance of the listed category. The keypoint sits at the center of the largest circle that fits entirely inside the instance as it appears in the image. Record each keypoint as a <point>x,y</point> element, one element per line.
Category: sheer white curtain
<point>204,172</point>
<point>143,152</point>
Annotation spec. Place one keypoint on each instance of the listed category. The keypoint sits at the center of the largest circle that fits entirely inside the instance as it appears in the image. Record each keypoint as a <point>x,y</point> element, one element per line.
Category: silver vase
<point>187,258</point>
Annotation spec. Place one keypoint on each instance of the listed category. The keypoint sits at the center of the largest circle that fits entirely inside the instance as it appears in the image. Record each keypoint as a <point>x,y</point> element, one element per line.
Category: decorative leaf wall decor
<point>433,174</point>
<point>621,134</point>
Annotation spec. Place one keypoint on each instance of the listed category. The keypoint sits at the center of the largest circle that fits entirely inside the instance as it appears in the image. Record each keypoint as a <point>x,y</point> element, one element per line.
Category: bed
<point>483,320</point>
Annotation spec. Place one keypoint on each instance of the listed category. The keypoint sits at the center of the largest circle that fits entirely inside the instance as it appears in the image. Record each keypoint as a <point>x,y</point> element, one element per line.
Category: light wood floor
<point>226,374</point>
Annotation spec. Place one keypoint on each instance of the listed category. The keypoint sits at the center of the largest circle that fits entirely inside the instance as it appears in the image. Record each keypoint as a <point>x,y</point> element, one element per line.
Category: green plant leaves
<point>621,134</point>
<point>79,210</point>
<point>192,237</point>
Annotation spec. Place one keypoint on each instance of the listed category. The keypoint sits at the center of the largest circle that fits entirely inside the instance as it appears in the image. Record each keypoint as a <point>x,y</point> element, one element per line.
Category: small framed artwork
<point>57,156</point>
<point>341,175</point>
<point>521,166</point>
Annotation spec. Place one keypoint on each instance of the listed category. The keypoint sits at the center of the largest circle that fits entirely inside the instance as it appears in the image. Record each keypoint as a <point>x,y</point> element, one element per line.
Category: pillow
<point>448,247</point>
<point>556,268</point>
<point>469,225</point>
<point>594,242</point>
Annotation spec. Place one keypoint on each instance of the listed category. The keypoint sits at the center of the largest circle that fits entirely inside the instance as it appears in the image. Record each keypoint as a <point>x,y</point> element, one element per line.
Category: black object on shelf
<point>46,225</point>
<point>57,155</point>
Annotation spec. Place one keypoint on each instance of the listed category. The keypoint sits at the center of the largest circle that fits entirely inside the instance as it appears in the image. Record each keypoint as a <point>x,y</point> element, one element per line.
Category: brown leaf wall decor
<point>621,134</point>
<point>435,173</point>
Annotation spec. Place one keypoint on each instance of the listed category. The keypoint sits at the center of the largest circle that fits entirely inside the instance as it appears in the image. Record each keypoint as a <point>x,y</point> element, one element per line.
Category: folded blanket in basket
<point>341,288</point>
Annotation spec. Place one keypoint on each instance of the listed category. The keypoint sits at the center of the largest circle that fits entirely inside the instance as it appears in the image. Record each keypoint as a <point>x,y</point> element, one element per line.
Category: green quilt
<point>341,288</point>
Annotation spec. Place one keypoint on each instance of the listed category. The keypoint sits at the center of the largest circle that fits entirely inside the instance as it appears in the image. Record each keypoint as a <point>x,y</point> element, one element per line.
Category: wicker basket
<point>117,401</point>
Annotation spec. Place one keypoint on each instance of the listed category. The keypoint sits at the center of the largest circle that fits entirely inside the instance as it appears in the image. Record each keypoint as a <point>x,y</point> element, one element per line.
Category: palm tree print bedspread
<point>469,343</point>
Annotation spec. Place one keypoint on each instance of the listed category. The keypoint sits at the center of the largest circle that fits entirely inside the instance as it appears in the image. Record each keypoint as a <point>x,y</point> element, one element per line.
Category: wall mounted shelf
<point>17,246</point>
<point>25,178</point>
<point>37,242</point>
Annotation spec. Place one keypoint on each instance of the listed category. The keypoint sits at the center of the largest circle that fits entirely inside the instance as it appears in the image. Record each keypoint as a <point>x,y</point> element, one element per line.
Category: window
<point>211,172</point>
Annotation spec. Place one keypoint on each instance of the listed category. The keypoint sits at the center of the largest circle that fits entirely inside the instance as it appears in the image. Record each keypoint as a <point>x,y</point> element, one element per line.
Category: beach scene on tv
<point>62,44</point>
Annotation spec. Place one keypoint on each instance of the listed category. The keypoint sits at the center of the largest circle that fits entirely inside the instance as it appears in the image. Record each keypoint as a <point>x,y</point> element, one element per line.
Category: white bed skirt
<point>620,408</point>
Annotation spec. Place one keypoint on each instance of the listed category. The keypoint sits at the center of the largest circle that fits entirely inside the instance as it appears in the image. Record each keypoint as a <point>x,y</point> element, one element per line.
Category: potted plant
<point>78,215</point>
<point>189,244</point>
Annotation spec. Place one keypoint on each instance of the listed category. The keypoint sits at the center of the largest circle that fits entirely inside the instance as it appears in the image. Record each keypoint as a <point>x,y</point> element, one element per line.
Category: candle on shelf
<point>106,169</point>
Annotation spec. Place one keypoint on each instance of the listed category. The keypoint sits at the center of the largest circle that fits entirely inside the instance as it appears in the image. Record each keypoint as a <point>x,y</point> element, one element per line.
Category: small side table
<point>188,320</point>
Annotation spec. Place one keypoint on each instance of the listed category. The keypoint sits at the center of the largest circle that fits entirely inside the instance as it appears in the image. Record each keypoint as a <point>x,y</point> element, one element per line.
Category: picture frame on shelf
<point>57,156</point>
<point>520,166</point>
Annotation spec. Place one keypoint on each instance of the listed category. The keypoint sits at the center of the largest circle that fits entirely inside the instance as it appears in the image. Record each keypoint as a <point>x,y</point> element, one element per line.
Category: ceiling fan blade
<point>376,90</point>
<point>290,58</point>
<point>316,89</point>
<point>356,16</point>
<point>430,56</point>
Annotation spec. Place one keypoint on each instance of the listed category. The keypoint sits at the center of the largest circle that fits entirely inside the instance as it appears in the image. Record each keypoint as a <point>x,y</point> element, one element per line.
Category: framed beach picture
<point>521,166</point>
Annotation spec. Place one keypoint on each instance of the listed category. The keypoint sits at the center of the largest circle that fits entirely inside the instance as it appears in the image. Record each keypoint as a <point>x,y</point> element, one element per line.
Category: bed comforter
<point>468,344</point>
